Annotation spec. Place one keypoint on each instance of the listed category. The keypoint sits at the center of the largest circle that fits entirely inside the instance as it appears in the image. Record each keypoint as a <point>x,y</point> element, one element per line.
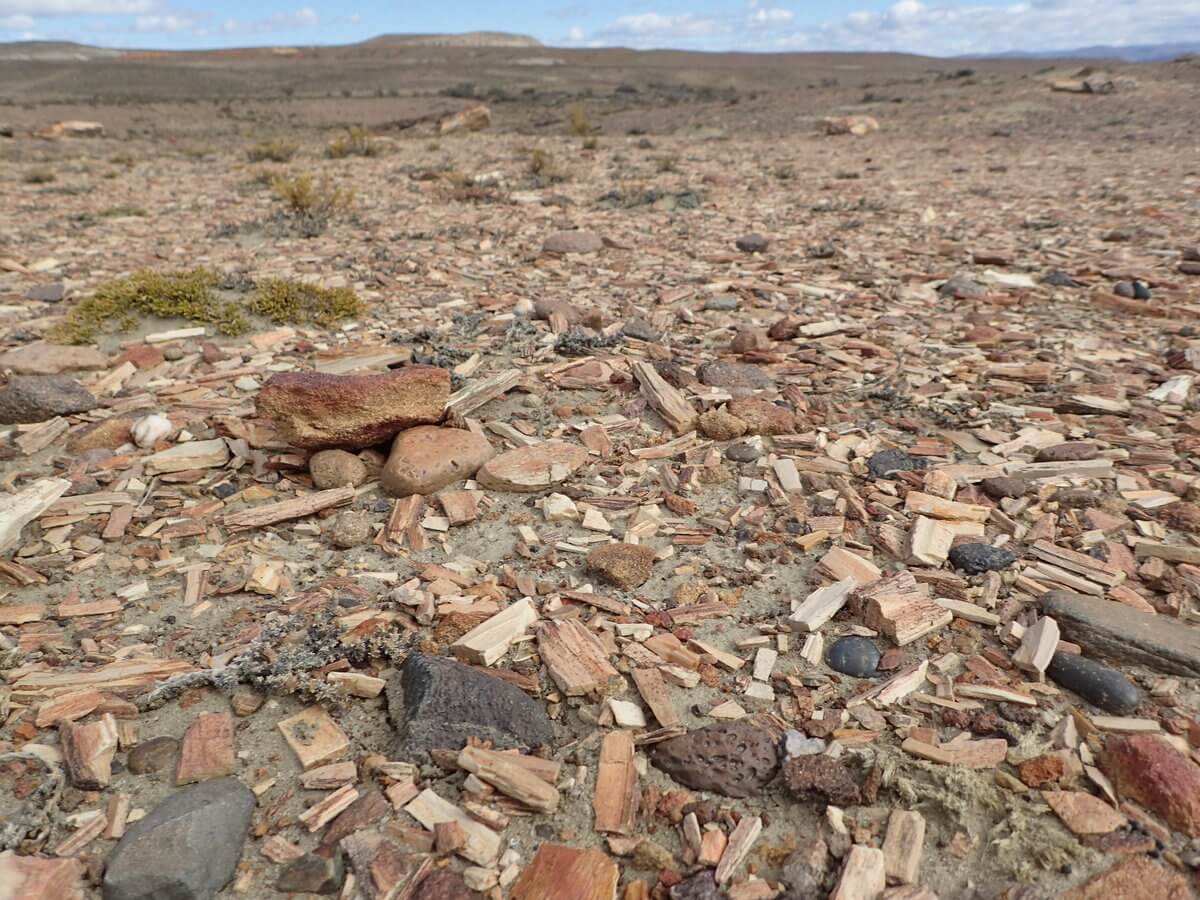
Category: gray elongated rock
<point>437,702</point>
<point>36,398</point>
<point>187,848</point>
<point>1095,682</point>
<point>1120,633</point>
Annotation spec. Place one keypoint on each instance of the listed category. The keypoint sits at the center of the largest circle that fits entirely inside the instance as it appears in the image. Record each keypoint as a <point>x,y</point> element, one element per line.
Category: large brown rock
<point>817,776</point>
<point>763,416</point>
<point>1145,768</point>
<point>426,459</point>
<point>735,759</point>
<point>318,411</point>
<point>36,398</point>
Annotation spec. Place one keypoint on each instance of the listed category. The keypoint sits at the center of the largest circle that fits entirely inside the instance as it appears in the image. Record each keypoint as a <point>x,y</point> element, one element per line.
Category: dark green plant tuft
<point>297,303</point>
<point>117,305</point>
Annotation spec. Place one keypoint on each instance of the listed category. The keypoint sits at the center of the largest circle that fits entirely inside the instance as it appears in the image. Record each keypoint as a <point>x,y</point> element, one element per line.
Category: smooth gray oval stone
<point>854,655</point>
<point>1096,683</point>
<point>975,559</point>
<point>742,453</point>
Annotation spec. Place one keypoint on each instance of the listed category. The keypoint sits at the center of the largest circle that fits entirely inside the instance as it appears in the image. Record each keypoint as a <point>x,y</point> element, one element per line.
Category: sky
<point>931,27</point>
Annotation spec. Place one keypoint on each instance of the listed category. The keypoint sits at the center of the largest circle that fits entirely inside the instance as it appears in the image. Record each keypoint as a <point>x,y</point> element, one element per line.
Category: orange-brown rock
<point>1135,878</point>
<point>763,416</point>
<point>1148,770</point>
<point>317,411</point>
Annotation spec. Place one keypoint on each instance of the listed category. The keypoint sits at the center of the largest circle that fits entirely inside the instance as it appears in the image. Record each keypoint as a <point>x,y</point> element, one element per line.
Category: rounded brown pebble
<point>350,528</point>
<point>764,417</point>
<point>336,468</point>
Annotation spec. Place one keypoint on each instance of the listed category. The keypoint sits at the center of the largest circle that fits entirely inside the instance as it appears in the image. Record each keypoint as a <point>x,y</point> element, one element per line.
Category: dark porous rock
<point>36,398</point>
<point>624,565</point>
<point>186,848</point>
<point>444,884</point>
<point>1119,633</point>
<point>733,375</point>
<point>820,777</point>
<point>1095,682</point>
<point>563,242</point>
<point>885,462</point>
<point>1003,486</point>
<point>1181,515</point>
<point>763,416</point>
<point>1068,451</point>
<point>752,243</point>
<point>854,655</point>
<point>436,702</point>
<point>742,453</point>
<point>153,755</point>
<point>317,411</point>
<point>313,874</point>
<point>641,330</point>
<point>975,559</point>
<point>1060,279</point>
<point>734,759</point>
<point>671,372</point>
<point>722,303</point>
<point>701,886</point>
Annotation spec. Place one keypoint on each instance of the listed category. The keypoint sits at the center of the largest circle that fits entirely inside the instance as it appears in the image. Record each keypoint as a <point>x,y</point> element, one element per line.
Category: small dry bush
<point>277,150</point>
<point>310,203</point>
<point>355,142</point>
<point>578,121</point>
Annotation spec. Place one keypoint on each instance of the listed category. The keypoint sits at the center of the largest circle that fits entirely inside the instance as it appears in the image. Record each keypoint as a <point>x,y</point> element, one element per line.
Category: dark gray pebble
<point>1004,486</point>
<point>1123,289</point>
<point>885,462</point>
<point>1096,683</point>
<point>752,243</point>
<point>975,559</point>
<point>742,453</point>
<point>854,655</point>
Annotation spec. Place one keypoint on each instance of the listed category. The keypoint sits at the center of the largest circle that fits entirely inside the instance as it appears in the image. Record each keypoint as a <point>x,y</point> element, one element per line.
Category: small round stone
<point>722,303</point>
<point>336,468</point>
<point>975,559</point>
<point>1123,289</point>
<point>854,655</point>
<point>885,462</point>
<point>1141,291</point>
<point>742,453</point>
<point>1096,683</point>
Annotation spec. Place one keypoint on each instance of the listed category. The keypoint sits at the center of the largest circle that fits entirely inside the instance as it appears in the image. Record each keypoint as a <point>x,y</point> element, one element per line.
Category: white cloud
<point>931,27</point>
<point>16,23</point>
<point>305,17</point>
<point>55,8</point>
<point>168,24</point>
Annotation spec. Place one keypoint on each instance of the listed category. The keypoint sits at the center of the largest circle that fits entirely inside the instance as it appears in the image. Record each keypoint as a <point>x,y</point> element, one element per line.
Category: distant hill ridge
<point>1131,53</point>
<point>467,39</point>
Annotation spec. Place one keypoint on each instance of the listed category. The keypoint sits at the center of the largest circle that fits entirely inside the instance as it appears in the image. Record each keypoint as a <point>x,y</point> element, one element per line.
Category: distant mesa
<point>53,51</point>
<point>467,39</point>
